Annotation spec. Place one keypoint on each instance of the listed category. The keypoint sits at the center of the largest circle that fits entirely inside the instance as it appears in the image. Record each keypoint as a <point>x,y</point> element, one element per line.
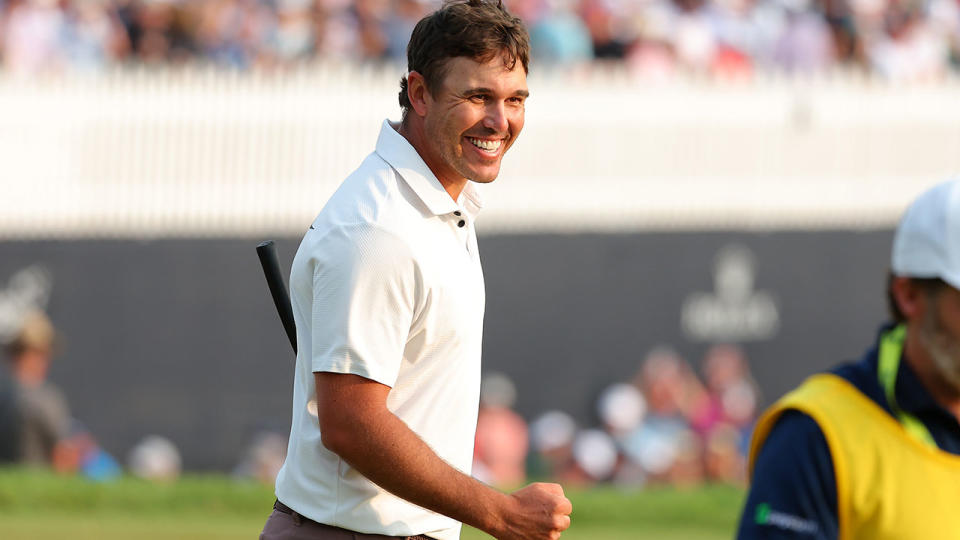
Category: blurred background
<point>698,215</point>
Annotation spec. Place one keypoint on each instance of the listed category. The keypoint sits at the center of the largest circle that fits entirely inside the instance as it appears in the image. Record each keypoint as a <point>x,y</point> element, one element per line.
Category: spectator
<point>910,50</point>
<point>601,19</point>
<point>552,435</point>
<point>733,392</point>
<point>263,458</point>
<point>805,44</point>
<point>32,37</point>
<point>10,423</point>
<point>397,29</point>
<point>694,40</point>
<point>94,37</point>
<point>723,456</point>
<point>45,418</point>
<point>622,408</point>
<point>560,36</point>
<point>659,442</point>
<point>501,444</point>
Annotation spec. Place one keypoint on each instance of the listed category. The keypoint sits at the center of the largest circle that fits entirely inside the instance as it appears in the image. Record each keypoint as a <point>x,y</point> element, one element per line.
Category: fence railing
<point>208,153</point>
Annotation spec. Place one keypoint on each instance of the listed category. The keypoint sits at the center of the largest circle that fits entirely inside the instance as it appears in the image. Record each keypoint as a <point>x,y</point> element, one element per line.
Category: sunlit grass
<point>39,505</point>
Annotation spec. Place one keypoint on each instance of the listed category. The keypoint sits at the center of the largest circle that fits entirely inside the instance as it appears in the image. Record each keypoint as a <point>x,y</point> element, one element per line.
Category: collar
<point>912,397</point>
<point>403,157</point>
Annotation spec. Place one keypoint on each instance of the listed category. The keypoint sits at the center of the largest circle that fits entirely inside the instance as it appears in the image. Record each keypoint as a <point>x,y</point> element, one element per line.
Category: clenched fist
<point>538,512</point>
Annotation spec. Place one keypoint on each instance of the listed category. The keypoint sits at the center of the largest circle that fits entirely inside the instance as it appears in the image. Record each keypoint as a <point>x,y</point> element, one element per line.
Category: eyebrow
<point>484,90</point>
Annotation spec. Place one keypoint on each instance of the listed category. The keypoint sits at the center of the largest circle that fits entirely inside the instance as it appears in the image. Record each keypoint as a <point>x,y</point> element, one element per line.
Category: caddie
<point>870,449</point>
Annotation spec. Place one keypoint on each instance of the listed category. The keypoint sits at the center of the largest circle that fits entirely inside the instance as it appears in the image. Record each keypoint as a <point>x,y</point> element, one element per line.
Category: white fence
<point>204,153</point>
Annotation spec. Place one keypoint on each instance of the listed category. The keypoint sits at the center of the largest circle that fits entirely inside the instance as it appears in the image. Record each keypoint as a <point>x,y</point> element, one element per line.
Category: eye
<point>478,98</point>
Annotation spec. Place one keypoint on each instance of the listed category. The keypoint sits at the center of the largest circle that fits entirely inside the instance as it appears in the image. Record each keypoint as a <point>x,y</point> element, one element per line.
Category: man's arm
<point>793,492</point>
<point>356,425</point>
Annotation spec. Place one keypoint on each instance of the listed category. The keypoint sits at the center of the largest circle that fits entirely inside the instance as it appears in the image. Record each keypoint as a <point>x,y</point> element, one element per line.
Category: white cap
<point>927,241</point>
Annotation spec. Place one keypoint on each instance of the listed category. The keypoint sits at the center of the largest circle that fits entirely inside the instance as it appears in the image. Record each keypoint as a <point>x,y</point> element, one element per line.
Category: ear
<point>909,297</point>
<point>417,93</point>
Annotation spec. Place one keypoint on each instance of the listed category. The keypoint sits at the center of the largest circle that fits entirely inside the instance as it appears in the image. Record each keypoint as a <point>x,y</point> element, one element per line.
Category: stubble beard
<point>459,163</point>
<point>943,348</point>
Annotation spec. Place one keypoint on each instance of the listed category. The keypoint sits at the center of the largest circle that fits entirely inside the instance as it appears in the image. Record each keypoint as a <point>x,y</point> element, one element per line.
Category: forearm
<point>386,451</point>
<point>357,425</point>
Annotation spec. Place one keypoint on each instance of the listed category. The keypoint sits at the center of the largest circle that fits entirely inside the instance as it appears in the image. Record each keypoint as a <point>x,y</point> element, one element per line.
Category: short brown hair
<point>930,286</point>
<point>477,29</point>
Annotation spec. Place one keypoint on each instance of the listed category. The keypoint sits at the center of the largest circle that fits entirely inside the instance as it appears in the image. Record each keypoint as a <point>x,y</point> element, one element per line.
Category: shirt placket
<point>462,228</point>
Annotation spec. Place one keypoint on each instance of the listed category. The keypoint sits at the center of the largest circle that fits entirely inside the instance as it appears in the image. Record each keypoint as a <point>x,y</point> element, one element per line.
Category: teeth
<point>485,145</point>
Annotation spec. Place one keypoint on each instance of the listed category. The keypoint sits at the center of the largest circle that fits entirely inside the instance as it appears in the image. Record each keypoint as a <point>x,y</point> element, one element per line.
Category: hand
<point>540,512</point>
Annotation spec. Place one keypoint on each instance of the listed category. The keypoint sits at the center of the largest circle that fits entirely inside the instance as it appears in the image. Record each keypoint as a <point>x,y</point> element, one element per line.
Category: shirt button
<point>461,223</point>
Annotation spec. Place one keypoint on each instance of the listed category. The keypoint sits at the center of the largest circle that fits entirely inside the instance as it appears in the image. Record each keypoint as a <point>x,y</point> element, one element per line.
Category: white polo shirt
<point>387,285</point>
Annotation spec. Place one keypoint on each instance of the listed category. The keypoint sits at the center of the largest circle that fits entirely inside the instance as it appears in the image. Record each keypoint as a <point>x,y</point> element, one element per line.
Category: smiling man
<point>388,297</point>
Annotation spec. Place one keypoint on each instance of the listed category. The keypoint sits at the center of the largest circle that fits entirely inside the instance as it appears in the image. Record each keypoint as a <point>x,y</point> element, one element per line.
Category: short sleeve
<point>793,492</point>
<point>365,286</point>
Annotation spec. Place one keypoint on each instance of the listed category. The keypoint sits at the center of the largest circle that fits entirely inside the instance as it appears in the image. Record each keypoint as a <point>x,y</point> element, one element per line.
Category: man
<point>388,297</point>
<point>10,420</point>
<point>870,450</point>
<point>40,409</point>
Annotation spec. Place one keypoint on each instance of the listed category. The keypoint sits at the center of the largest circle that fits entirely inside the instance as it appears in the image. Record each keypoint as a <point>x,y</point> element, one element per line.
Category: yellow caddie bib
<point>890,486</point>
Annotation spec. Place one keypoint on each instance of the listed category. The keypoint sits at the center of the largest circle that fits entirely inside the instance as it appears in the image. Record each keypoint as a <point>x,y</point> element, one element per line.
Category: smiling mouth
<point>486,144</point>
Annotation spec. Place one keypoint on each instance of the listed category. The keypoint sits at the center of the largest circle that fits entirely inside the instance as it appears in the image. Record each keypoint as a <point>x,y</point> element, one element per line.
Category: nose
<point>496,117</point>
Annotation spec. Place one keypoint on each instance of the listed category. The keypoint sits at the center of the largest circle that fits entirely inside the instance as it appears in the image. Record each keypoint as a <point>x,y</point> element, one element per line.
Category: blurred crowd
<point>37,428</point>
<point>897,39</point>
<point>666,426</point>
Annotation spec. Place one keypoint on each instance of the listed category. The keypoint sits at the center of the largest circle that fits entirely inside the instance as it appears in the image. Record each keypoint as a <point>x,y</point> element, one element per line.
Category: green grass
<point>37,505</point>
<point>27,491</point>
<point>610,514</point>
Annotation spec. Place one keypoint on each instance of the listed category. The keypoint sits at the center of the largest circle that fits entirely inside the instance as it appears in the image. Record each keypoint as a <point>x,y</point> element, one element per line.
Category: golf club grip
<point>267,252</point>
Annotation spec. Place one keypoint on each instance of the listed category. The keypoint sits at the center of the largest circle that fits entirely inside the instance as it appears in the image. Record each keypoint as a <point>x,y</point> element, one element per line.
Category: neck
<point>918,357</point>
<point>412,130</point>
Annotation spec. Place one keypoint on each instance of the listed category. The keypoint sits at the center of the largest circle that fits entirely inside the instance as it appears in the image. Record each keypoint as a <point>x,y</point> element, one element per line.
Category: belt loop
<point>297,520</point>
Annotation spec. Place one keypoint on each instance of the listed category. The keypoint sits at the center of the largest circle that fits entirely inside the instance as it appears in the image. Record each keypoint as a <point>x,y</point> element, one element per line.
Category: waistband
<point>280,507</point>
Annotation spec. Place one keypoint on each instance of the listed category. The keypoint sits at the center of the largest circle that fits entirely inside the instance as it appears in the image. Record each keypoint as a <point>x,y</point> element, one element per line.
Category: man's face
<point>940,333</point>
<point>473,118</point>
<point>32,365</point>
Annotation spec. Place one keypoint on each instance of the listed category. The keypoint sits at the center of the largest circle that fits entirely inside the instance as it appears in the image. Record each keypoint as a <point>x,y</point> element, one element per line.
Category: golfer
<point>870,450</point>
<point>388,297</point>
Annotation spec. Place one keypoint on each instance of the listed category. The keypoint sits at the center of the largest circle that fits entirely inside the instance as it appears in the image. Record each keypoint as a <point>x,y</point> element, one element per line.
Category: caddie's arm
<point>356,424</point>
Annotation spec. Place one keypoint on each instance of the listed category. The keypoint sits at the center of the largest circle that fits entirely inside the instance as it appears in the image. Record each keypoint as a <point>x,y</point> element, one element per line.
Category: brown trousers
<point>285,524</point>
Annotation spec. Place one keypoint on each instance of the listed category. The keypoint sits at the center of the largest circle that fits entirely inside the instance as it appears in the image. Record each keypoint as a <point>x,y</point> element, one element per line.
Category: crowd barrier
<point>196,152</point>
